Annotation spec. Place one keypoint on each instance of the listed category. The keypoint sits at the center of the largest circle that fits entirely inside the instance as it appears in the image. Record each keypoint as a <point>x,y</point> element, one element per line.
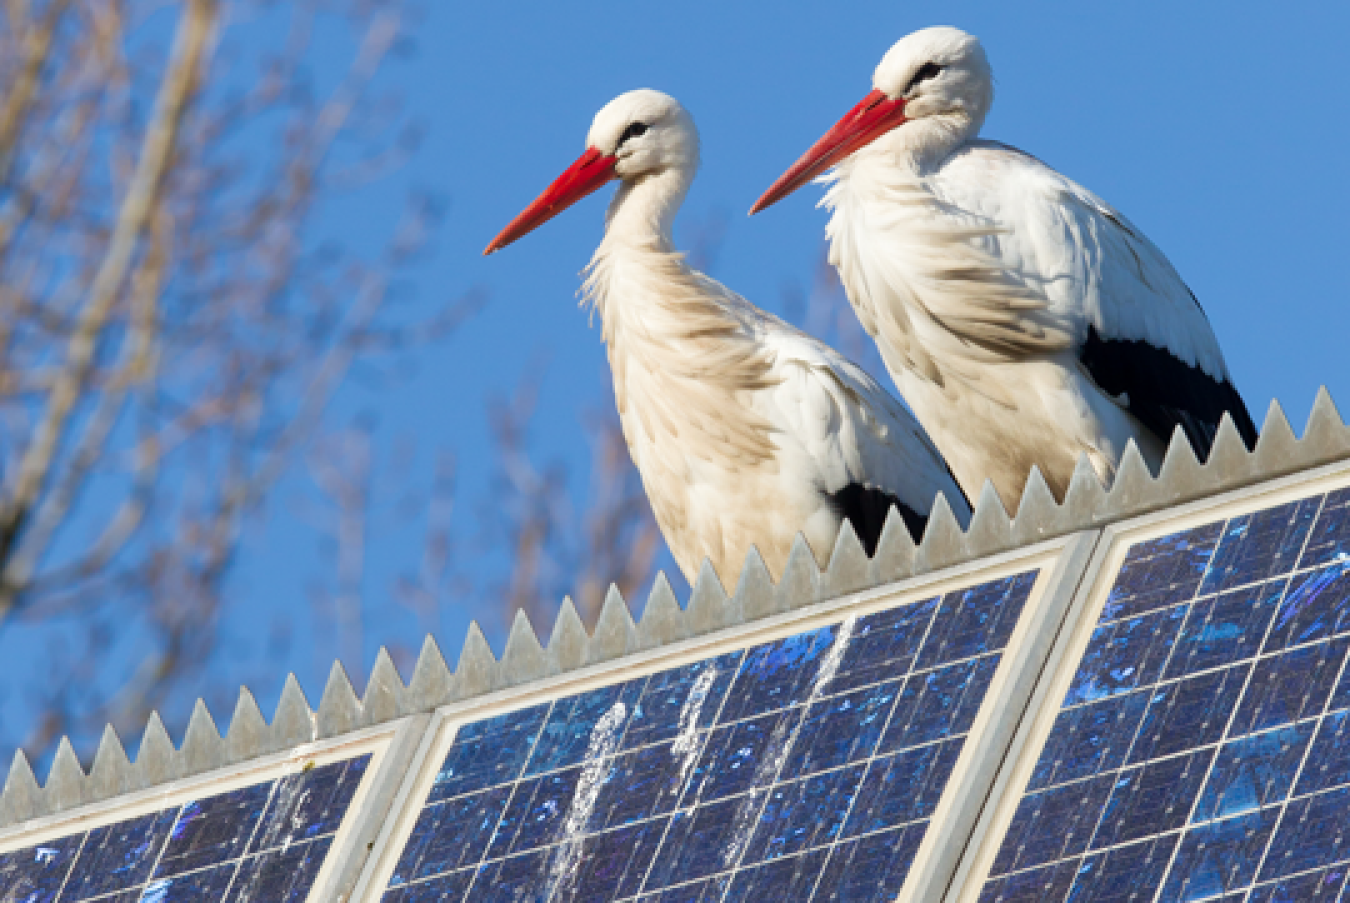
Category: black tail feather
<point>1163,392</point>
<point>866,508</point>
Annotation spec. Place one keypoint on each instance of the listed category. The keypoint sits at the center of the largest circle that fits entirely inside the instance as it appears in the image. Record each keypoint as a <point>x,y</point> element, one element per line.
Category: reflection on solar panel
<point>264,842</point>
<point>800,769</point>
<point>1203,748</point>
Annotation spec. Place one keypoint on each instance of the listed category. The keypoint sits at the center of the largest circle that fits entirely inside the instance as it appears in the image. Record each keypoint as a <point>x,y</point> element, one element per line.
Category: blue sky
<point>1218,128</point>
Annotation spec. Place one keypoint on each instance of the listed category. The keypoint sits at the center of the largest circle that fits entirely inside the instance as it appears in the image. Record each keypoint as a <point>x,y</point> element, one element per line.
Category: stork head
<point>636,135</point>
<point>935,85</point>
<point>646,132</point>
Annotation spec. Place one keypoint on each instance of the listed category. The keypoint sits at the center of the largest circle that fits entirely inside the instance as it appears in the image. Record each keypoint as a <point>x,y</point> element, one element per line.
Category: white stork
<point>1023,319</point>
<point>745,430</point>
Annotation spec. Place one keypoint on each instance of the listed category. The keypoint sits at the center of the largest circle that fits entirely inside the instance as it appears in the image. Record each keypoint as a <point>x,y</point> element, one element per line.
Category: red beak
<point>591,171</point>
<point>869,120</point>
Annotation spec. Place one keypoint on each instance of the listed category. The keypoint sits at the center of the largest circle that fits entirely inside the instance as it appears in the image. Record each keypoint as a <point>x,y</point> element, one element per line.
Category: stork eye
<point>633,131</point>
<point>926,71</point>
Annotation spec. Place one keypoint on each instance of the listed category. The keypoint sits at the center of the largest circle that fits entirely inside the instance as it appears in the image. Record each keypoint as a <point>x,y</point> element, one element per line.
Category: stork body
<point>1025,320</point>
<point>745,431</point>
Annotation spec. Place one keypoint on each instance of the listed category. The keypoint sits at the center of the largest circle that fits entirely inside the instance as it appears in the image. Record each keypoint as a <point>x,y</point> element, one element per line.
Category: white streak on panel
<point>688,744</point>
<point>834,658</point>
<point>604,738</point>
<point>780,746</point>
<point>775,753</point>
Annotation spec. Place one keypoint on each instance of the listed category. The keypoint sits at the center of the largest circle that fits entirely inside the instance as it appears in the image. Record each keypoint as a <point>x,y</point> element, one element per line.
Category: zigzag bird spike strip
<point>1134,491</point>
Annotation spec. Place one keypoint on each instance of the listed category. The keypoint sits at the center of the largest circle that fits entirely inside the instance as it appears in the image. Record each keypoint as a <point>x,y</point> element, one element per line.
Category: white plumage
<point>1025,321</point>
<point>745,430</point>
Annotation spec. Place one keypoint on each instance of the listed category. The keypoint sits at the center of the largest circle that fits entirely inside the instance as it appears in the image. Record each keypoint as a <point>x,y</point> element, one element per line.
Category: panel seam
<point>954,884</point>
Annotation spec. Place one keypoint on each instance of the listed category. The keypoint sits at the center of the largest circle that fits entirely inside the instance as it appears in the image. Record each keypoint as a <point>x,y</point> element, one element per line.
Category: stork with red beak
<point>1025,321</point>
<point>745,430</point>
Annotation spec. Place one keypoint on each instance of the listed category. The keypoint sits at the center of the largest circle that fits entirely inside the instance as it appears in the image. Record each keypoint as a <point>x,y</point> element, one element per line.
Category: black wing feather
<point>1163,392</point>
<point>866,507</point>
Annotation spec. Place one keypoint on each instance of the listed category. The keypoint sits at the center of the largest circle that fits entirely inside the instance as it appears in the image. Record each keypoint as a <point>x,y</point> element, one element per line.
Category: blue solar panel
<point>264,842</point>
<point>800,769</point>
<point>1202,750</point>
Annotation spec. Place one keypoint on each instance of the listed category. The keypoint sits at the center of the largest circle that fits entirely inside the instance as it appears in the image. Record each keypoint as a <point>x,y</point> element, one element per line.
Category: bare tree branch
<point>23,88</point>
<point>180,83</point>
<point>553,551</point>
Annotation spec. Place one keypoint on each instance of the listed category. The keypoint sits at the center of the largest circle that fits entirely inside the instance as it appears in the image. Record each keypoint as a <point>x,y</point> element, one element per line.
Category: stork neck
<point>682,349</point>
<point>643,210</point>
<point>922,145</point>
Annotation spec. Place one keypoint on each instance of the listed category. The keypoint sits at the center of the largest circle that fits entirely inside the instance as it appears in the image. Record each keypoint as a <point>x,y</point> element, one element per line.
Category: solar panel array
<point>1202,751</point>
<point>800,769</point>
<point>263,842</point>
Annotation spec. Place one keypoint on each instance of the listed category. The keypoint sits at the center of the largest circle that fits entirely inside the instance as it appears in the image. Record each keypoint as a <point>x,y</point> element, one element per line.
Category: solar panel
<point>263,842</point>
<point>1201,751</point>
<point>800,769</point>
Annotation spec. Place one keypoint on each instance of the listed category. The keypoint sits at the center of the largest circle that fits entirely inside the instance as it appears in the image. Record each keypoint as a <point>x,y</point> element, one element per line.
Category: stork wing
<point>1138,331</point>
<point>864,450</point>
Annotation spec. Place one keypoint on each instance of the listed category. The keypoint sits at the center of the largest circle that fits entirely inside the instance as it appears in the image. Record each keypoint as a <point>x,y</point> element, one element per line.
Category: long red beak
<point>876,115</point>
<point>591,171</point>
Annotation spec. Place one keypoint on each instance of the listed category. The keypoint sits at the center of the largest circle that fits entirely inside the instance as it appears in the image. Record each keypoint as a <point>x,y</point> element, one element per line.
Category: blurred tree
<point>172,324</point>
<point>556,547</point>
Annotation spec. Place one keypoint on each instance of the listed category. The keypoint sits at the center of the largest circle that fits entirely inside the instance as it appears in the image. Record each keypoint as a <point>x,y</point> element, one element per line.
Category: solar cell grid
<point>263,842</point>
<point>1201,752</point>
<point>800,769</point>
